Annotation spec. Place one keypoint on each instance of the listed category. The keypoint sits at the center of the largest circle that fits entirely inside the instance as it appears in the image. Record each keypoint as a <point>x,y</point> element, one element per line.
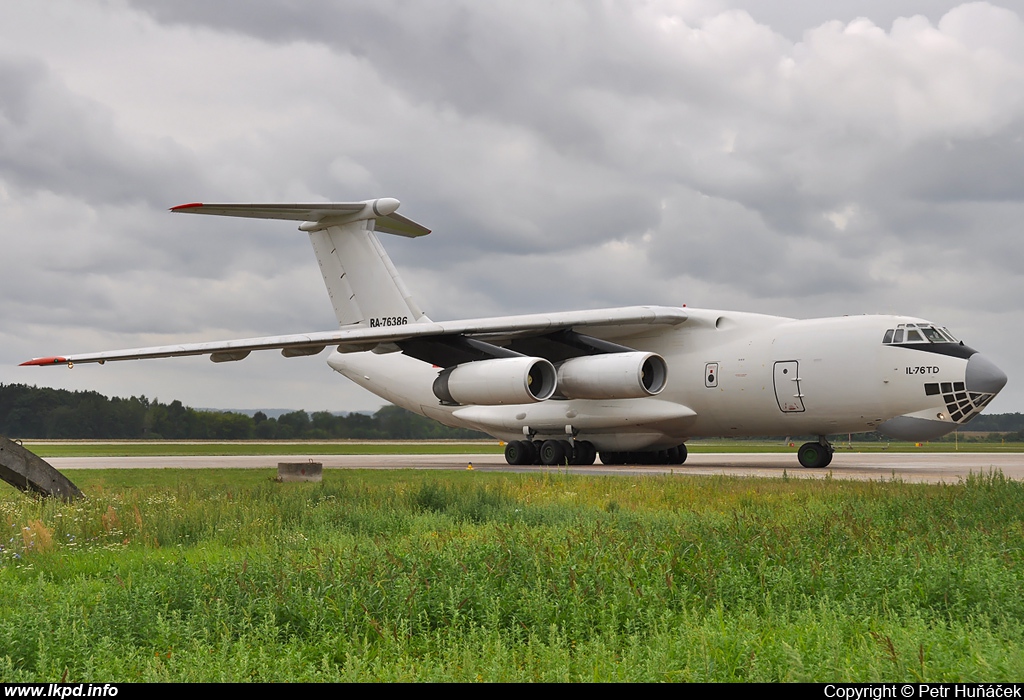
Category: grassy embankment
<point>143,448</point>
<point>226,575</point>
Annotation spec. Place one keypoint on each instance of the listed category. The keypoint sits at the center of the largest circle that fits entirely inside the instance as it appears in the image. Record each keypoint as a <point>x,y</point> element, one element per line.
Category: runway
<point>925,467</point>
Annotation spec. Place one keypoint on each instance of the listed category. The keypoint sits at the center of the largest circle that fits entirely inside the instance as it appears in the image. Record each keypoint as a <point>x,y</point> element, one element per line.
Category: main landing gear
<point>673,455</point>
<point>583,453</point>
<point>550,452</point>
<point>815,455</point>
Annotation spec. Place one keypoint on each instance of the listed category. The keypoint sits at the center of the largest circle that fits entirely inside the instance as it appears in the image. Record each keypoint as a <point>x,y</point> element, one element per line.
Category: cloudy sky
<point>796,158</point>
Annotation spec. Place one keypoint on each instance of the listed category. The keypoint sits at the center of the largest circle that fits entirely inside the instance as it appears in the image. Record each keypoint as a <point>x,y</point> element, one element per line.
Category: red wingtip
<point>190,205</point>
<point>41,361</point>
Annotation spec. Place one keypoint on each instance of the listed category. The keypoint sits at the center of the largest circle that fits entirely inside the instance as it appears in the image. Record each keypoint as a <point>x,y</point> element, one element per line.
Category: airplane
<point>631,384</point>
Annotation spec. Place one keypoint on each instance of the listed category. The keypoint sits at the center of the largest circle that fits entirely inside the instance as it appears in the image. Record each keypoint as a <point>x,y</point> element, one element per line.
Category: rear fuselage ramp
<point>27,471</point>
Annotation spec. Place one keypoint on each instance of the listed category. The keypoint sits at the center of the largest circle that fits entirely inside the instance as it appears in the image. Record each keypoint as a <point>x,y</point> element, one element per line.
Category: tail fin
<point>364,286</point>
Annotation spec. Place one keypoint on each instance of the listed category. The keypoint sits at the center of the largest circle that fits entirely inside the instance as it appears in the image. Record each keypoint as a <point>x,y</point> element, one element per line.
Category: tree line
<point>44,413</point>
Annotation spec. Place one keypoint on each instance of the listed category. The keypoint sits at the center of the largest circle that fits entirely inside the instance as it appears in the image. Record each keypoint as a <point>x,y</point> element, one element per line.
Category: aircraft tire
<point>552,453</point>
<point>586,453</point>
<point>516,452</point>
<point>537,444</point>
<point>575,452</point>
<point>813,455</point>
<point>568,452</point>
<point>683,453</point>
<point>529,452</point>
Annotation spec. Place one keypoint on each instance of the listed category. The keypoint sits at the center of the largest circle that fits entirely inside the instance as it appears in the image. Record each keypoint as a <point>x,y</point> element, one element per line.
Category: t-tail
<point>365,288</point>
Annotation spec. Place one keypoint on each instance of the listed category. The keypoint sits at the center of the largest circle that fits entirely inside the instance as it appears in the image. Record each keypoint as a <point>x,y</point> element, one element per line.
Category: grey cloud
<point>989,168</point>
<point>720,240</point>
<point>51,139</point>
<point>566,155</point>
<point>793,17</point>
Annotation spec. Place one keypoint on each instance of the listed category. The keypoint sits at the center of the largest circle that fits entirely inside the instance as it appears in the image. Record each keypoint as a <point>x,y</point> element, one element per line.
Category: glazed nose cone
<point>983,377</point>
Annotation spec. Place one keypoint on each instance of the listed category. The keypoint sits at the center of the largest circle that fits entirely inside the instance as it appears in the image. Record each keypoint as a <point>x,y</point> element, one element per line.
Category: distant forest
<point>42,413</point>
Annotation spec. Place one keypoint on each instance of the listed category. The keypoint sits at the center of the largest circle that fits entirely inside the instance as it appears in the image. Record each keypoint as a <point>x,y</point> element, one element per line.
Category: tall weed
<point>466,576</point>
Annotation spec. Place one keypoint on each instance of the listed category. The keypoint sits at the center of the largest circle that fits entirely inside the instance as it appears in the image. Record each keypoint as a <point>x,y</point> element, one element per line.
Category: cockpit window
<point>917,333</point>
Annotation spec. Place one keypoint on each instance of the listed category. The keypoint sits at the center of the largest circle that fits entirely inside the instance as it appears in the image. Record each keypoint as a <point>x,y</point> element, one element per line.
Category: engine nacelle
<point>618,375</point>
<point>507,380</point>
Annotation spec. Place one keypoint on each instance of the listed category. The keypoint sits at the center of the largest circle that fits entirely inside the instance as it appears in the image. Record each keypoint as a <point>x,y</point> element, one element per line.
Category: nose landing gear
<point>815,455</point>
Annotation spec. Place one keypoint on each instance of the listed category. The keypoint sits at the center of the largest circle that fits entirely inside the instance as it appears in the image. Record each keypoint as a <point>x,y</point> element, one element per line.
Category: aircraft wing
<point>617,323</point>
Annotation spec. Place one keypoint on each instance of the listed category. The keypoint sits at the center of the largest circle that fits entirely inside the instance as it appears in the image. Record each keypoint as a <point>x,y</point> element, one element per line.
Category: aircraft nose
<point>983,377</point>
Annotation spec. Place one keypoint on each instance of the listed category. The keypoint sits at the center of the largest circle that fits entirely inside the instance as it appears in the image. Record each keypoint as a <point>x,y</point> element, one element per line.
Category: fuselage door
<point>787,387</point>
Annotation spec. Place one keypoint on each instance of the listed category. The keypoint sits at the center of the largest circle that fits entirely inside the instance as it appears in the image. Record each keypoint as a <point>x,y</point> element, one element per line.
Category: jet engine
<point>506,380</point>
<point>618,375</point>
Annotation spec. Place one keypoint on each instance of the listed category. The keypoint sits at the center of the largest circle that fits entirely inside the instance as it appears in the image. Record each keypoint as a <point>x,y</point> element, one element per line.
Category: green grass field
<point>227,575</point>
<point>185,449</point>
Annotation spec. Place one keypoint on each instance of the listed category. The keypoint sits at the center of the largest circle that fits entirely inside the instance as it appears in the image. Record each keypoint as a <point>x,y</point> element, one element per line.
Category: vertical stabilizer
<point>364,286</point>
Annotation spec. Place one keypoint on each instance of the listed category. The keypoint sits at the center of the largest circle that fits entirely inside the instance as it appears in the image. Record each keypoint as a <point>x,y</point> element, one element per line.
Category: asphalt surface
<point>923,467</point>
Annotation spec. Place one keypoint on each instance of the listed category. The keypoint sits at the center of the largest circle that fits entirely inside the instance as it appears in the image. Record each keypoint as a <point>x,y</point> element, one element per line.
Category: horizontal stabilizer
<point>318,215</point>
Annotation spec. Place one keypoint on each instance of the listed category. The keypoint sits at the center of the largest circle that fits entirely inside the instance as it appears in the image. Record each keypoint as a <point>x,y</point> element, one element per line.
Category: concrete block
<point>300,471</point>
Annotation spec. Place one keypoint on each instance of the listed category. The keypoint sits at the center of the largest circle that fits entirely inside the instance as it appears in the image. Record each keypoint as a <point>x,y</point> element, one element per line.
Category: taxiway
<point>926,467</point>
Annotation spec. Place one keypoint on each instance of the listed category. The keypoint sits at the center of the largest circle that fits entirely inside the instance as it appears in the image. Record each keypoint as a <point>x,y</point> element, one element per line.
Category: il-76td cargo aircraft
<point>632,383</point>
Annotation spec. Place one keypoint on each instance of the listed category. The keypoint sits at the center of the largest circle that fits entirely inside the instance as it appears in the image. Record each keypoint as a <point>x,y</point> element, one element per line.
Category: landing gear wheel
<point>574,452</point>
<point>537,444</point>
<point>519,452</point>
<point>529,452</point>
<point>568,452</point>
<point>584,453</point>
<point>552,453</point>
<point>676,455</point>
<point>813,455</point>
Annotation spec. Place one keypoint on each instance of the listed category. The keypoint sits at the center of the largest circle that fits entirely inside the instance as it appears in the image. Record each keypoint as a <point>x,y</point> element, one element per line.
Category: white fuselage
<point>729,374</point>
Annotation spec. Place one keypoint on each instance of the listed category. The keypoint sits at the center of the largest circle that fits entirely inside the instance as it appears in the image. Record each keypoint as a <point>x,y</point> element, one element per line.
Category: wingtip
<point>43,361</point>
<point>190,205</point>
